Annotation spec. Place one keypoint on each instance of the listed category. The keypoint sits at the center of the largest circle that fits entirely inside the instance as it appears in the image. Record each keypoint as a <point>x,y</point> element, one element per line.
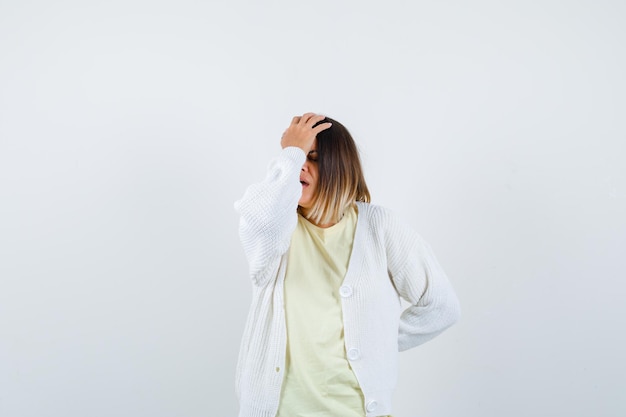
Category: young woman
<point>328,270</point>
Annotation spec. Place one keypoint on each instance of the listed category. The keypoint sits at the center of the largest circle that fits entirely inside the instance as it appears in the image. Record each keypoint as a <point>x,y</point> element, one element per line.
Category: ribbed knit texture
<point>388,260</point>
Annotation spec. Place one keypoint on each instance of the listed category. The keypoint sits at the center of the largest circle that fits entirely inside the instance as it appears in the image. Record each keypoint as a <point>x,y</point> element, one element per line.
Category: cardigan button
<point>354,354</point>
<point>345,291</point>
<point>371,406</point>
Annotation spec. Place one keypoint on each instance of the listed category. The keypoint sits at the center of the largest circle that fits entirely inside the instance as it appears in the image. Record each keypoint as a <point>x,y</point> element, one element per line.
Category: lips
<point>304,182</point>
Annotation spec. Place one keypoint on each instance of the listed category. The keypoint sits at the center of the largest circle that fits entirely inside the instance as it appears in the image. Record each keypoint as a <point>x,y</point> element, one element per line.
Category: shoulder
<point>386,222</point>
<point>377,215</point>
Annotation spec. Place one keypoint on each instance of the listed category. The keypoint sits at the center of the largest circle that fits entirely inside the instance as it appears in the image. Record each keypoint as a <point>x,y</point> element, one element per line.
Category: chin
<point>305,204</point>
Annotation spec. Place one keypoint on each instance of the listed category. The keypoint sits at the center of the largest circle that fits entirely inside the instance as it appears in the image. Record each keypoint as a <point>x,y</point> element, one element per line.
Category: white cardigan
<point>388,261</point>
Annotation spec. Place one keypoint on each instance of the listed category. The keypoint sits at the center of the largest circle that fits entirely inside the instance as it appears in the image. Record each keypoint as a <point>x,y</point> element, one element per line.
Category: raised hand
<point>301,132</point>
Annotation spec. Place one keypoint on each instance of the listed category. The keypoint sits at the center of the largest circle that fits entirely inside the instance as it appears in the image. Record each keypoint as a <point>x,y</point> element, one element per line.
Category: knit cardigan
<point>388,261</point>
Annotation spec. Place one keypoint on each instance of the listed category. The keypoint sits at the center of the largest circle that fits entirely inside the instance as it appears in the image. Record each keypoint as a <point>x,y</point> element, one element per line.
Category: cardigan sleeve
<point>420,280</point>
<point>268,214</point>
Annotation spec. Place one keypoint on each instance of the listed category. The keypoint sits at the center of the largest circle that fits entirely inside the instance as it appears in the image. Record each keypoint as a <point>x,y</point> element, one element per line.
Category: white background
<point>129,128</point>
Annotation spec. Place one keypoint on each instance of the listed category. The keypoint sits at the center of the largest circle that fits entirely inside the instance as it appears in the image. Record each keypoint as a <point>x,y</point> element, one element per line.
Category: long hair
<point>341,182</point>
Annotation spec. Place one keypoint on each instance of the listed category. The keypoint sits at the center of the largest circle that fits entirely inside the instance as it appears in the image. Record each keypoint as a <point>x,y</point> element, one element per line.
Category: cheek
<point>314,177</point>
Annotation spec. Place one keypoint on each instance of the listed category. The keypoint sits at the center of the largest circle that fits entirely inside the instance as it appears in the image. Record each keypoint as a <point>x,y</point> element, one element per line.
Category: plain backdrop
<point>128,129</point>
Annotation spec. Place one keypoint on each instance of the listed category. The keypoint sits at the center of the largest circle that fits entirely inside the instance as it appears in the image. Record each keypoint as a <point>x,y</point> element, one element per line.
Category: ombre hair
<point>341,182</point>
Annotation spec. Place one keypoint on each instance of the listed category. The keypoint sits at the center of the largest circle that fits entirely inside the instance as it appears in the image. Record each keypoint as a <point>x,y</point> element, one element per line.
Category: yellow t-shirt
<point>318,379</point>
